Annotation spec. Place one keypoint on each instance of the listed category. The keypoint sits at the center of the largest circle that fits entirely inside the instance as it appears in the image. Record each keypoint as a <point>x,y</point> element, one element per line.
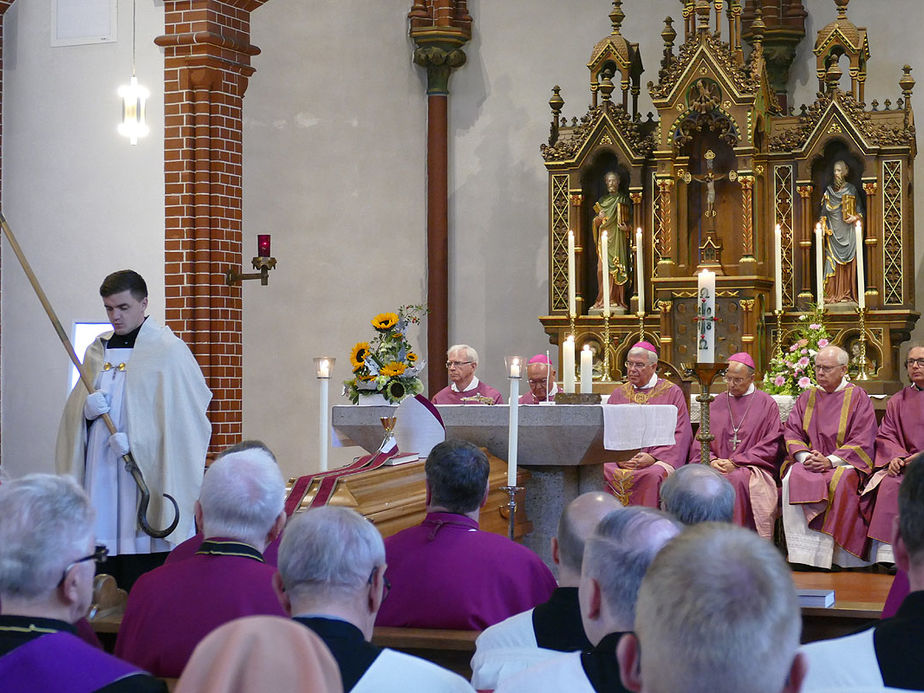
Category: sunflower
<point>411,357</point>
<point>392,369</point>
<point>395,391</point>
<point>358,356</point>
<point>384,321</point>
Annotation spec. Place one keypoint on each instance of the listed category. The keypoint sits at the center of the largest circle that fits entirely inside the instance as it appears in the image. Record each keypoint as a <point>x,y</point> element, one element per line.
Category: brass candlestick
<point>862,373</point>
<point>779,333</point>
<point>512,492</point>
<point>705,374</point>
<point>606,347</point>
<point>641,325</point>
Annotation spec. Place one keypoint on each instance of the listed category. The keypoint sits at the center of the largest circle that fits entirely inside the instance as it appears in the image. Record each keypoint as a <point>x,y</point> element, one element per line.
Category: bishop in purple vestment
<point>637,481</point>
<point>746,448</point>
<point>901,435</point>
<point>540,375</point>
<point>172,608</point>
<point>830,438</point>
<point>464,387</point>
<point>447,573</point>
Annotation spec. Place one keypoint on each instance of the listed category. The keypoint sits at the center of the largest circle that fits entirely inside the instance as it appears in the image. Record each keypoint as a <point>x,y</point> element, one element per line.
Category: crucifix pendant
<point>734,440</point>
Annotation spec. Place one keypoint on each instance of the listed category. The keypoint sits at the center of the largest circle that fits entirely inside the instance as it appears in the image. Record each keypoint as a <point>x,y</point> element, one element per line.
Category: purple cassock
<point>901,434</point>
<point>840,423</point>
<point>189,548</point>
<point>641,486</point>
<point>172,608</point>
<point>449,396</point>
<point>43,655</point>
<point>446,573</point>
<point>748,431</point>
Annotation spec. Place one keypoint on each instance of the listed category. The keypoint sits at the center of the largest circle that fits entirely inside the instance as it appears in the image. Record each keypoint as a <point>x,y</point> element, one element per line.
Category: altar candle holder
<point>705,374</point>
<point>263,263</point>
<point>512,492</point>
<point>606,348</point>
<point>323,366</point>
<point>862,373</point>
<point>779,333</point>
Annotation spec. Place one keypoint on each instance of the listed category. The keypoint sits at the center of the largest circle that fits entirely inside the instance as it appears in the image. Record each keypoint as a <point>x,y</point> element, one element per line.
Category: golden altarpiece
<point>709,177</point>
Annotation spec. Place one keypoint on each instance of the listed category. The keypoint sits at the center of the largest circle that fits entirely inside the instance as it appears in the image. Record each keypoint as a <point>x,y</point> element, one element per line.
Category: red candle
<point>263,245</point>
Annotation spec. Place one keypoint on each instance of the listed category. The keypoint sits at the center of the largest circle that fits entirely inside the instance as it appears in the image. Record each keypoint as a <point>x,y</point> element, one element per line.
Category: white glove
<point>118,443</point>
<point>96,405</point>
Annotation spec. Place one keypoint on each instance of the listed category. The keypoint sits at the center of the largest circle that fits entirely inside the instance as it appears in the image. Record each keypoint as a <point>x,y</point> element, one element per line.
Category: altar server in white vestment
<point>555,626</point>
<point>331,579</point>
<point>151,386</point>
<point>616,557</point>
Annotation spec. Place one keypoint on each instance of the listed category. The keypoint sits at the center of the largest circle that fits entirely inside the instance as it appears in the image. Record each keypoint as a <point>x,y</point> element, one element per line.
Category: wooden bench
<point>452,649</point>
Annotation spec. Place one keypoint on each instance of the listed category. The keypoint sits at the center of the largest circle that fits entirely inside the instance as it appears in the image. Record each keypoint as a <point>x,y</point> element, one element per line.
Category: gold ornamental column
<point>439,29</point>
<point>805,240</point>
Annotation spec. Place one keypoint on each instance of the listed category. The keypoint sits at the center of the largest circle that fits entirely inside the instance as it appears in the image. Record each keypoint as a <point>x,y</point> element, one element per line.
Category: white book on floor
<point>815,598</point>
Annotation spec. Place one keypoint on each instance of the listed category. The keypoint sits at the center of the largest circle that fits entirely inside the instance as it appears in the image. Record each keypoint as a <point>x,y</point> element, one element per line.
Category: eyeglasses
<point>914,362</point>
<point>634,365</point>
<point>826,369</point>
<point>386,584</point>
<point>98,556</point>
<point>457,364</point>
<point>732,380</point>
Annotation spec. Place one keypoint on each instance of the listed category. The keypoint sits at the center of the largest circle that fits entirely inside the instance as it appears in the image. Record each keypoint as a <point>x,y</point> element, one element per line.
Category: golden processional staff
<point>130,465</point>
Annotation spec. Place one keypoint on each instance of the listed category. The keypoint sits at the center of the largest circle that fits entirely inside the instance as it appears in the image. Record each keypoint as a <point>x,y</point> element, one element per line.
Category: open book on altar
<point>632,426</point>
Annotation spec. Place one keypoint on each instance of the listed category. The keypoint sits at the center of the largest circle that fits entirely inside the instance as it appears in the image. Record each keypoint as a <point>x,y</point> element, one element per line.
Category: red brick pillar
<point>207,54</point>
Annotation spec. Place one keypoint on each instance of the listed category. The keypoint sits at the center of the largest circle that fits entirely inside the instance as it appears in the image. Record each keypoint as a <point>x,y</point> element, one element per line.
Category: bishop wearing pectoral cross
<point>745,423</point>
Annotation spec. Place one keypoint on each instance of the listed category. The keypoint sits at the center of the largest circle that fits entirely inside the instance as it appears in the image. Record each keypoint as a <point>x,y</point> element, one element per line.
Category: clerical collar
<point>229,547</point>
<point>436,521</point>
<point>124,341</point>
<point>915,386</point>
<point>842,385</point>
<point>651,383</point>
<point>471,386</point>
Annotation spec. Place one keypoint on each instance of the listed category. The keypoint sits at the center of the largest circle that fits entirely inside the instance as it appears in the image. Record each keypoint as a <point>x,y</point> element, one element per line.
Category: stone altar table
<point>560,445</point>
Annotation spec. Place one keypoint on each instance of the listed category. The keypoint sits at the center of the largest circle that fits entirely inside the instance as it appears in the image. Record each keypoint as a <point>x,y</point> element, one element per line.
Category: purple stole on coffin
<point>841,423</point>
<point>60,662</point>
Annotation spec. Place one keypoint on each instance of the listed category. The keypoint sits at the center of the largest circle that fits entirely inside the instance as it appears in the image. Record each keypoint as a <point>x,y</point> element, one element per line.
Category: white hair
<point>619,552</point>
<point>842,357</point>
<point>715,600</point>
<point>329,551</point>
<point>46,522</point>
<point>470,354</point>
<point>242,495</point>
<point>649,355</point>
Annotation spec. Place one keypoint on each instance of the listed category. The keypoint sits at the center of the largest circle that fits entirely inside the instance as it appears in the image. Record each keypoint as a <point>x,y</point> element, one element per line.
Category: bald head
<point>697,493</point>
<point>577,523</point>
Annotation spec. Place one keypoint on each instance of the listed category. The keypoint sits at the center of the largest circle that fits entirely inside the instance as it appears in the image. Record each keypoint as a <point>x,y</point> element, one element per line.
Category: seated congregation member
<point>900,438</point>
<point>47,562</point>
<point>717,613</point>
<point>644,472</point>
<point>746,448</point>
<point>890,652</point>
<point>555,626</point>
<point>696,493</point>
<point>191,546</point>
<point>464,387</point>
<point>260,653</point>
<point>616,557</point>
<point>170,609</point>
<point>332,580</point>
<point>830,435</point>
<point>540,376</point>
<point>445,572</point>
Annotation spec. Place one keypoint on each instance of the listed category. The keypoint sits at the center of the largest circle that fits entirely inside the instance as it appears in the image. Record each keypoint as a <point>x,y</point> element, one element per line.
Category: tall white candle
<point>705,338</point>
<point>514,422</point>
<point>819,267</point>
<point>605,275</point>
<point>568,364</point>
<point>572,300</point>
<point>861,270</point>
<point>639,271</point>
<point>778,260</point>
<point>587,369</point>
<point>322,430</point>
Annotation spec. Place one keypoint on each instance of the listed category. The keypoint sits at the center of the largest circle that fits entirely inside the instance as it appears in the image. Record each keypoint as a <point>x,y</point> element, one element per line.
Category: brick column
<point>207,54</point>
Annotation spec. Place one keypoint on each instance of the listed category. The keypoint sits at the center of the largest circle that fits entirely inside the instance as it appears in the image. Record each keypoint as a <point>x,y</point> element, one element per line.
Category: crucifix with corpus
<point>711,248</point>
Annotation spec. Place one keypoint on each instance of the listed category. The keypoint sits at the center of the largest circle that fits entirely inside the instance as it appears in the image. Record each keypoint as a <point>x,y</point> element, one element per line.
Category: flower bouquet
<point>387,365</point>
<point>794,370</point>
